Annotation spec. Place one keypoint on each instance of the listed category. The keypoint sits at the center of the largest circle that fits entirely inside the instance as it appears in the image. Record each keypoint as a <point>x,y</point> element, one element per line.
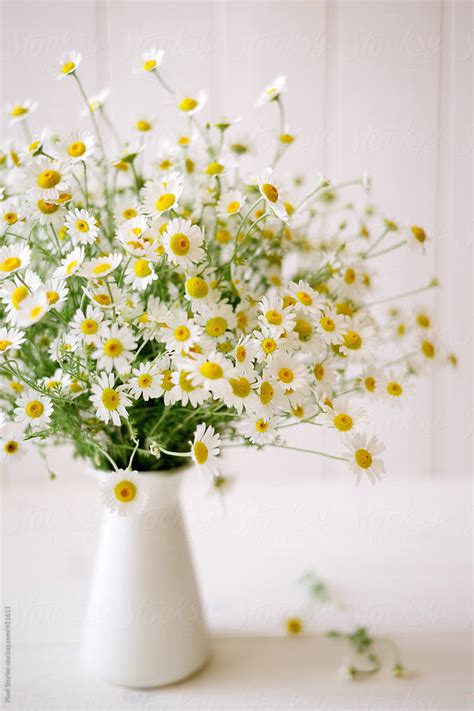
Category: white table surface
<point>396,558</point>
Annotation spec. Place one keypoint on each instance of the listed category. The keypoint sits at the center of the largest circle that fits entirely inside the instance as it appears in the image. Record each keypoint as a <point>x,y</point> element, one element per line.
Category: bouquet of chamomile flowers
<point>159,302</point>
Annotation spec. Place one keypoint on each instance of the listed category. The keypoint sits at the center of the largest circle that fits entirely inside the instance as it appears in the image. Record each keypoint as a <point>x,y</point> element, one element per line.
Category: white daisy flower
<point>144,123</point>
<point>270,192</point>
<point>140,274</point>
<point>417,238</point>
<point>193,104</point>
<point>96,102</point>
<point>126,208</point>
<point>306,298</point>
<point>59,381</point>
<point>289,372</point>
<point>242,394</point>
<point>82,226</point>
<point>272,91</point>
<point>182,242</point>
<point>13,446</point>
<point>14,292</point>
<point>428,348</point>
<point>116,349</point>
<point>10,339</point>
<point>131,233</point>
<point>124,493</point>
<point>217,320</point>
<point>20,111</point>
<point>100,267</point>
<point>33,308</point>
<point>268,344</point>
<point>270,396</point>
<point>184,390</point>
<point>392,388</point>
<point>245,353</point>
<point>63,345</point>
<point>66,64</point>
<point>212,372</point>
<point>47,179</point>
<point>304,336</point>
<point>359,341</point>
<point>150,60</point>
<point>230,203</point>
<point>259,430</point>
<point>70,264</point>
<point>205,449</point>
<point>363,459</point>
<point>57,292</point>
<point>76,146</point>
<point>87,325</point>
<point>371,380</point>
<point>332,326</point>
<point>106,296</point>
<point>350,281</point>
<point>109,400</point>
<point>344,416</point>
<point>13,259</point>
<point>10,214</point>
<point>162,195</point>
<point>145,382</point>
<point>274,316</point>
<point>33,409</point>
<point>325,376</point>
<point>198,291</point>
<point>182,332</point>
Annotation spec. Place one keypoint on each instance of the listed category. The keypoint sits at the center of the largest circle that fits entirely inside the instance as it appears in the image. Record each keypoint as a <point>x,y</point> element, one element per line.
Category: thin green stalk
<point>389,249</point>
<point>377,242</point>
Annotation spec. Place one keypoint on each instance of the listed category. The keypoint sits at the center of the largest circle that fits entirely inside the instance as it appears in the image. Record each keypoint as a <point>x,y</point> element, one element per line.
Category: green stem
<point>385,251</point>
<point>377,241</point>
<point>431,285</point>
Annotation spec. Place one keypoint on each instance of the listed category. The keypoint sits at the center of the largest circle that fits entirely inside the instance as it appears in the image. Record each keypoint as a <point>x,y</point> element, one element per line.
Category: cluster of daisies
<point>157,297</point>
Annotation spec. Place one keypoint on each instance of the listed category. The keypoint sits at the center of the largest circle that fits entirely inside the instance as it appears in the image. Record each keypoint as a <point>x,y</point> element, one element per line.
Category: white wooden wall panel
<point>378,85</point>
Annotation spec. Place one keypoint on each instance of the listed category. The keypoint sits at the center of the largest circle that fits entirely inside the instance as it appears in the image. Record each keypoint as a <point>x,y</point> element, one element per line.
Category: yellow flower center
<point>53,297</point>
<point>68,67</point>
<point>370,383</point>
<point>269,345</point>
<point>47,208</point>
<point>10,217</point>
<point>20,293</point>
<point>349,276</point>
<point>149,65</point>
<point>428,349</point>
<point>71,266</point>
<point>201,452</point>
<point>352,340</point>
<point>10,264</point>
<point>318,371</point>
<point>180,244</point>
<point>165,201</point>
<point>343,422</point>
<point>304,298</point>
<point>142,268</point>
<point>76,149</point>
<point>274,317</point>
<point>113,347</point>
<point>144,380</point>
<point>216,326</point>
<point>262,425</point>
<point>197,288</point>
<point>184,382</point>
<point>286,138</point>
<point>36,311</point>
<point>18,111</point>
<point>418,233</point>
<point>101,268</point>
<point>363,458</point>
<point>327,324</point>
<point>304,329</point>
<point>270,192</point>
<point>167,382</point>
<point>187,104</point>
<point>34,409</point>
<point>102,299</point>
<point>48,179</point>
<point>166,164</point>
<point>11,447</point>
<point>129,213</point>
<point>223,236</point>
<point>82,226</point>
<point>394,388</point>
<point>240,353</point>
<point>110,398</point>
<point>286,375</point>
<point>125,491</point>
<point>233,207</point>
<point>344,309</point>
<point>89,326</point>
<point>266,393</point>
<point>240,387</point>
<point>211,370</point>
<point>4,345</point>
<point>16,387</point>
<point>423,321</point>
<point>143,125</point>
<point>214,168</point>
<point>182,333</point>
